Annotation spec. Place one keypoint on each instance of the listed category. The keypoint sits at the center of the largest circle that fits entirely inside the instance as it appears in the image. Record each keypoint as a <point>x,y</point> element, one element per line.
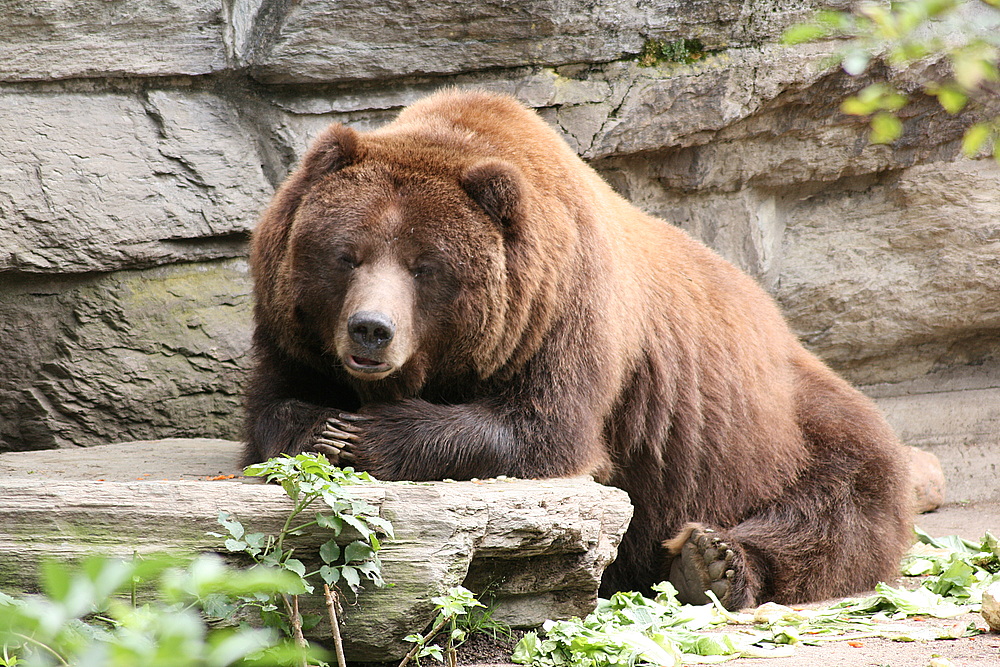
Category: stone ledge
<point>538,547</point>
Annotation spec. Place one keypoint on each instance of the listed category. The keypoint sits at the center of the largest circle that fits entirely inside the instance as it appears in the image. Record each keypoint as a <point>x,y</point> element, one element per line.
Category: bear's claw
<point>337,436</point>
<point>705,563</point>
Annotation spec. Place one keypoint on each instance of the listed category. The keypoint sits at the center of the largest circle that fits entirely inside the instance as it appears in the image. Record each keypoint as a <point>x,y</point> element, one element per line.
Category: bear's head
<point>389,256</point>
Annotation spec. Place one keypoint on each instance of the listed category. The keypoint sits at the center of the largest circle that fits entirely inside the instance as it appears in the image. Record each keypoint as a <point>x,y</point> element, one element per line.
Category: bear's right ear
<point>335,148</point>
<point>498,187</point>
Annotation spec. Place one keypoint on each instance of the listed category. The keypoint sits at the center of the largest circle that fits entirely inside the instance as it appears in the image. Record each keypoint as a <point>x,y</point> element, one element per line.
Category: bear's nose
<point>372,329</point>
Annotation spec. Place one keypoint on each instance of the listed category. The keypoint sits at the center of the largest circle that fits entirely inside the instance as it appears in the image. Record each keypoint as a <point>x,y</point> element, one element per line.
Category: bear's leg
<point>839,528</point>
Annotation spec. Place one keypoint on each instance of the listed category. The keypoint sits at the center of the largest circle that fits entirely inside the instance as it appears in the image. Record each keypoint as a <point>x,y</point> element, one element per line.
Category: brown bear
<point>458,295</point>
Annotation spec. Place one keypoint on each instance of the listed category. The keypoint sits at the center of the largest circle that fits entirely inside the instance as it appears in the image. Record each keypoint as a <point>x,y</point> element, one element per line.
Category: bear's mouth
<point>365,365</point>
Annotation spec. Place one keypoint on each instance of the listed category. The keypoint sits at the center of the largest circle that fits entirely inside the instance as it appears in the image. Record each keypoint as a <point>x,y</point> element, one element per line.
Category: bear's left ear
<point>498,187</point>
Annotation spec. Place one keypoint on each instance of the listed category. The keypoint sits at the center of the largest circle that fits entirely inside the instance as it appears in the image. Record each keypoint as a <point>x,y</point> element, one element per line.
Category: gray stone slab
<point>58,39</point>
<point>556,536</point>
<point>104,181</point>
<point>170,459</point>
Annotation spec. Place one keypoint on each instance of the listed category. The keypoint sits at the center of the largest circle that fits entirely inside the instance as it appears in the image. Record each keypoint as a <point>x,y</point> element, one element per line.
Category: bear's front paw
<point>703,562</point>
<point>338,436</point>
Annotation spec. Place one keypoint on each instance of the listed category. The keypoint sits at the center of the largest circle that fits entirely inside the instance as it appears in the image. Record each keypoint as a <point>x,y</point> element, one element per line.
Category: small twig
<point>451,653</point>
<point>296,620</point>
<point>331,605</point>
<point>416,647</point>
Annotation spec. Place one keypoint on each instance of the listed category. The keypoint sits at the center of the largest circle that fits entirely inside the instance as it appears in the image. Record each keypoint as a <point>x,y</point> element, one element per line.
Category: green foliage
<point>90,616</point>
<point>631,630</point>
<point>962,33</point>
<point>685,51</point>
<point>309,480</point>
<point>454,614</point>
<point>85,617</point>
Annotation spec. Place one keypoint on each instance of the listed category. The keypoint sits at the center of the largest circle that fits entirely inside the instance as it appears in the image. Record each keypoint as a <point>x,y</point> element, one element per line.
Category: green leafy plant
<point>91,616</point>
<point>86,615</point>
<point>452,608</point>
<point>963,34</point>
<point>313,484</point>
<point>630,630</point>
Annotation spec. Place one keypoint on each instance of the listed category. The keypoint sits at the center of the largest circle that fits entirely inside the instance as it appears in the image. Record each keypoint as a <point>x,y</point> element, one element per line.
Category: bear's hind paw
<point>703,562</point>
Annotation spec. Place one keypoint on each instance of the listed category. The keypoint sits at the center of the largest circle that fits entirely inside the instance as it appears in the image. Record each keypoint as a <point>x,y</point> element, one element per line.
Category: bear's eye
<point>422,271</point>
<point>347,261</point>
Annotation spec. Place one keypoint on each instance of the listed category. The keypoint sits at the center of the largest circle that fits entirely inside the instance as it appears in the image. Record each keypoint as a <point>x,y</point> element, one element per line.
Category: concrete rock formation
<point>140,139</point>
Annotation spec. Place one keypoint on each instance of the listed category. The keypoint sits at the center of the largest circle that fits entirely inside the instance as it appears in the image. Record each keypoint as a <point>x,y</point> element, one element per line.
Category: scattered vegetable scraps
<point>631,630</point>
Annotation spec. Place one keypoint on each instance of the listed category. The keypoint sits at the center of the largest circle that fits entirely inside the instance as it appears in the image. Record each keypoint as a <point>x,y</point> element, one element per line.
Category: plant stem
<point>298,509</point>
<point>451,654</point>
<point>305,525</point>
<point>331,606</point>
<point>34,641</point>
<point>292,606</point>
<point>416,647</point>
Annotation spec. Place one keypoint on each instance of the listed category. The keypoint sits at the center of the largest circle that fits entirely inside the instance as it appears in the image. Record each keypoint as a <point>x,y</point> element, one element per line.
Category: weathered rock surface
<point>107,181</point>
<point>315,41</point>
<point>538,547</point>
<point>927,479</point>
<point>95,357</point>
<point>991,606</point>
<point>145,133</point>
<point>54,39</point>
<point>954,414</point>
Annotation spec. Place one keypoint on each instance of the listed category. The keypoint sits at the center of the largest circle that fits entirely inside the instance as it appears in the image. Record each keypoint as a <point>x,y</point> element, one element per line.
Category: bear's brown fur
<point>490,306</point>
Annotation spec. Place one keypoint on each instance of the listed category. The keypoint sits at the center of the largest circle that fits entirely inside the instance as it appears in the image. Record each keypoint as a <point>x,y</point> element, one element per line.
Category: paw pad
<point>705,563</point>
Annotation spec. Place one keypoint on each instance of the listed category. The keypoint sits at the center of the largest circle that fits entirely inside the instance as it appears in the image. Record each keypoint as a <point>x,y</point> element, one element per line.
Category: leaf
<point>235,545</point>
<point>804,32</point>
<point>56,580</point>
<point>433,651</point>
<point>296,566</point>
<point>382,525</point>
<point>357,551</point>
<point>351,576</point>
<point>232,526</point>
<point>330,575</point>
<point>973,65</point>
<point>330,522</point>
<point>975,138</point>
<point>855,106</point>
<point>886,128</point>
<point>330,551</point>
<point>357,524</point>
<point>950,98</point>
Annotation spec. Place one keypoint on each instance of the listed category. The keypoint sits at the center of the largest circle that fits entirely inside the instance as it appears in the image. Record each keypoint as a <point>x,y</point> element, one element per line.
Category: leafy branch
<point>85,615</point>
<point>963,34</point>
<point>310,482</point>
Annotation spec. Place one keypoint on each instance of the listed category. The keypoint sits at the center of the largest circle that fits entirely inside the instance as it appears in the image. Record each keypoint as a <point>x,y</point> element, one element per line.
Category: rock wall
<point>139,140</point>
